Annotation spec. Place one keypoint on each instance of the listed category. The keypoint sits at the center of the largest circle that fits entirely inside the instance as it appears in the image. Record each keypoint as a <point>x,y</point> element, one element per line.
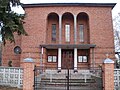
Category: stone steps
<point>71,80</point>
<point>81,80</point>
<point>61,84</point>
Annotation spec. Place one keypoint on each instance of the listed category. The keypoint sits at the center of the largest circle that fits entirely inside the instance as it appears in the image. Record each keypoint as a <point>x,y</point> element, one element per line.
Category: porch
<point>67,56</point>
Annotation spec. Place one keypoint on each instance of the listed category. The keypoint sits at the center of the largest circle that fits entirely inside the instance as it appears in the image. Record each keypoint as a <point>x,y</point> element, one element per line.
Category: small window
<point>67,33</point>
<point>17,50</point>
<point>53,32</point>
<point>81,32</point>
<point>52,58</point>
<point>82,59</point>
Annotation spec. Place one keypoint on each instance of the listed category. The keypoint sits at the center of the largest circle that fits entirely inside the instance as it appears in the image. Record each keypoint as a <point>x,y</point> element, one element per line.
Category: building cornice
<point>69,4</point>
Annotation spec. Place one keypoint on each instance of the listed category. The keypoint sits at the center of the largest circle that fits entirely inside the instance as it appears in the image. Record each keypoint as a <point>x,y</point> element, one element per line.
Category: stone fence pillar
<point>108,74</point>
<point>28,74</point>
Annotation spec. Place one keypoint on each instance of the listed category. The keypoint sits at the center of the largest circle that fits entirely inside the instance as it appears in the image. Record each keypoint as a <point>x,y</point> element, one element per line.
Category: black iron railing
<point>67,79</point>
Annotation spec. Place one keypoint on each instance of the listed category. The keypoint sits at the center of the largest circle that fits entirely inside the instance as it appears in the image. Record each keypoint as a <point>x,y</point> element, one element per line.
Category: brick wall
<point>8,52</point>
<point>100,31</point>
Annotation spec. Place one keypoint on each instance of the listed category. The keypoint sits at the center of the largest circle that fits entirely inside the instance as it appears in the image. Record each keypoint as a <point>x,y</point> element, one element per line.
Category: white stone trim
<point>107,60</point>
<point>28,60</point>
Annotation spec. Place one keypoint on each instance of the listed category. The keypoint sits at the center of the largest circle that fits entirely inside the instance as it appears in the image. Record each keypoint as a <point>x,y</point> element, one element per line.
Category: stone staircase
<point>52,80</point>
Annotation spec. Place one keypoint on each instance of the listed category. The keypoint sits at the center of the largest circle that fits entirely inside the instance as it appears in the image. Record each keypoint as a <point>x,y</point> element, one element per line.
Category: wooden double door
<point>67,59</point>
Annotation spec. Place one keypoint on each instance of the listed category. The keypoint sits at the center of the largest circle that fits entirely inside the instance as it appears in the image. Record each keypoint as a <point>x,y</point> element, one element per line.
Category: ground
<point>8,88</point>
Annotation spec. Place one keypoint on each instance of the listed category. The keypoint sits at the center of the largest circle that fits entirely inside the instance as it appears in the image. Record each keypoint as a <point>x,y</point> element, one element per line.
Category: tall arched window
<point>83,28</point>
<point>52,28</point>
<point>67,27</point>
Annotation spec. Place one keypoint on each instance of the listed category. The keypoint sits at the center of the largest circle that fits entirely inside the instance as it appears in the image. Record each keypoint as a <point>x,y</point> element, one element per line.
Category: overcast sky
<point>115,10</point>
<point>68,1</point>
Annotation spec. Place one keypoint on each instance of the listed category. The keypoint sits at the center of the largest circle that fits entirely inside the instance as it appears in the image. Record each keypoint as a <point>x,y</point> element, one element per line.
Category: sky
<point>68,1</point>
<point>115,10</point>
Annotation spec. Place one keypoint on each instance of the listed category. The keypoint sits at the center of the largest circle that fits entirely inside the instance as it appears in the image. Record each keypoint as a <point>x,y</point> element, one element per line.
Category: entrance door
<point>67,59</point>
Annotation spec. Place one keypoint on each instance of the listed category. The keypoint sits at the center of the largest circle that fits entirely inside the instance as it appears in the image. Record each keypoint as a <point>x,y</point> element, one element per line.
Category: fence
<point>67,79</point>
<point>11,76</point>
<point>117,79</point>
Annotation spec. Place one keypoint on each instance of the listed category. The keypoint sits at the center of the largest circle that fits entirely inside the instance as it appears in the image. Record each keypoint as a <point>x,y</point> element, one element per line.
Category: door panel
<point>67,59</point>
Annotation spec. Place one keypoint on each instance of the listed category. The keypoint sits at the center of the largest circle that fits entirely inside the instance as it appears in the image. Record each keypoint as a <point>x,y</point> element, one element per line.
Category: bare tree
<point>116,27</point>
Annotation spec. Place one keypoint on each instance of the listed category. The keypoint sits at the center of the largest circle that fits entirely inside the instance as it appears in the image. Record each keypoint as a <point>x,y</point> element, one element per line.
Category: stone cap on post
<point>107,60</point>
<point>28,60</point>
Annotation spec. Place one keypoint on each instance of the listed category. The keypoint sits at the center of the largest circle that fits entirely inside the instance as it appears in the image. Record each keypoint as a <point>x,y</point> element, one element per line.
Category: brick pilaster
<point>28,75</point>
<point>108,74</point>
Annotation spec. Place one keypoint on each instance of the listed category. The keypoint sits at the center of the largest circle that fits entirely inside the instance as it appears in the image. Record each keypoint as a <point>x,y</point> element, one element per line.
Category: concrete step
<point>61,84</point>
<point>65,88</point>
<point>70,80</point>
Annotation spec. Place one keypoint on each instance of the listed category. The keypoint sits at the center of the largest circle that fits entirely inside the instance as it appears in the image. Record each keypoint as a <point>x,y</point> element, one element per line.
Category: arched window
<point>67,26</point>
<point>52,27</point>
<point>83,27</point>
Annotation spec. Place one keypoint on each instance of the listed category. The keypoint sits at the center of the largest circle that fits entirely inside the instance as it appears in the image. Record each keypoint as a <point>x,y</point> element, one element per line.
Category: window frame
<point>54,33</point>
<point>67,32</point>
<point>81,32</point>
<point>52,58</point>
<point>82,59</point>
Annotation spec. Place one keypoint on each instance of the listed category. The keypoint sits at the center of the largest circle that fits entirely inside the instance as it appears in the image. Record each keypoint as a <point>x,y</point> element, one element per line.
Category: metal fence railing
<point>67,79</point>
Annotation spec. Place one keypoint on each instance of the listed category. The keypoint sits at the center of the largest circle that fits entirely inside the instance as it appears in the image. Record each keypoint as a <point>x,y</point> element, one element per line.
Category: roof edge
<point>69,4</point>
<point>68,46</point>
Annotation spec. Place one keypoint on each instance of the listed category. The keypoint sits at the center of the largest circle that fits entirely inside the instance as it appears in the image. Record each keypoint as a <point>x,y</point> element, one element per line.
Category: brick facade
<point>8,53</point>
<point>99,31</point>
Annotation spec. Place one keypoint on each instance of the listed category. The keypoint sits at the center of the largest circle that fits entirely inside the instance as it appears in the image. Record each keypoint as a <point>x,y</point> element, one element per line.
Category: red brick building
<point>64,35</point>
